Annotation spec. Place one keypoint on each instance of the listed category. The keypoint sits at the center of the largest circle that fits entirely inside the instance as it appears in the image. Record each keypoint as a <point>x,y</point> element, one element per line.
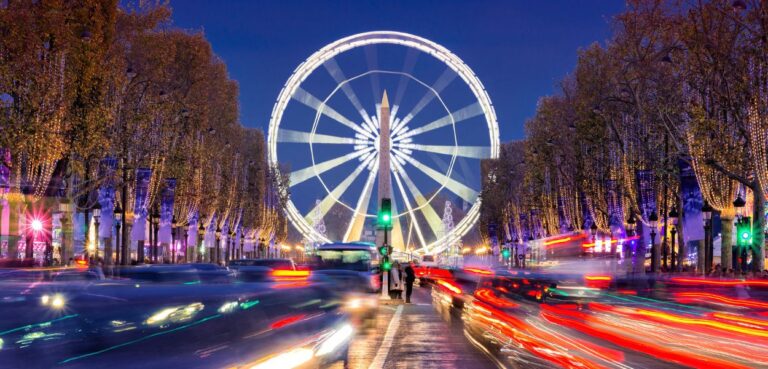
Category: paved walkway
<point>415,336</point>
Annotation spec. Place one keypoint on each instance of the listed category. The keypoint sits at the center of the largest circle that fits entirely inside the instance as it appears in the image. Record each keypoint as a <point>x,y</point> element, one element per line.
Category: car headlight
<point>354,303</point>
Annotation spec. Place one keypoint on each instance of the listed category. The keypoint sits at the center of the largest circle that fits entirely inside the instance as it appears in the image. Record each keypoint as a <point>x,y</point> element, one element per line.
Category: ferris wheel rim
<point>337,47</point>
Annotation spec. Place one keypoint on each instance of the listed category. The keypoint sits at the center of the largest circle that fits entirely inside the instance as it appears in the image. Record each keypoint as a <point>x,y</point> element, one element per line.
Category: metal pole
<point>674,254</point>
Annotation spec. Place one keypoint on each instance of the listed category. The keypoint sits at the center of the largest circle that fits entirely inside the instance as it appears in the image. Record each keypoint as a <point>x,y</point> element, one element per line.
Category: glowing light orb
<point>37,225</point>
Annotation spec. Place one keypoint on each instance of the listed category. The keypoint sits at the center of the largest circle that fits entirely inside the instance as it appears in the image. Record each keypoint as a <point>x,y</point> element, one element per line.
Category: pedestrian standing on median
<point>396,285</point>
<point>410,277</point>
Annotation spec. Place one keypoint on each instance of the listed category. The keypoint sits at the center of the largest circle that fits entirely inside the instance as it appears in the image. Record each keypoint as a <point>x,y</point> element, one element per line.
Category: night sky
<point>518,49</point>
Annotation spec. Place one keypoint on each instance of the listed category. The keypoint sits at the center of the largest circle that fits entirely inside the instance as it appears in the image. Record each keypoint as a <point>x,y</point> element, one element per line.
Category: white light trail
<point>302,175</point>
<point>289,135</point>
<point>475,152</point>
<point>407,202</point>
<point>434,221</point>
<point>311,101</point>
<point>466,193</point>
<point>356,225</point>
<point>338,75</point>
<point>462,114</point>
<point>337,192</point>
<point>442,82</point>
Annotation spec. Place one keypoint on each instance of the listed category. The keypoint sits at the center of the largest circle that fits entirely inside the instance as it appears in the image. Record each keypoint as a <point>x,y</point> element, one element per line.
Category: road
<point>415,336</point>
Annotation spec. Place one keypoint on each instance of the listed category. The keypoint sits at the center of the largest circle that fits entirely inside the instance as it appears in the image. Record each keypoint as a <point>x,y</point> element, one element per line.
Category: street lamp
<point>673,217</point>
<point>96,219</point>
<point>230,245</point>
<point>706,213</point>
<point>64,208</point>
<point>118,213</point>
<point>218,244</point>
<point>155,224</point>
<point>653,219</point>
<point>174,225</point>
<point>739,204</point>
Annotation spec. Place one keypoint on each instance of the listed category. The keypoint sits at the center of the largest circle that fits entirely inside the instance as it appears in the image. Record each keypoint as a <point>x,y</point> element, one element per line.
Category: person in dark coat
<point>410,277</point>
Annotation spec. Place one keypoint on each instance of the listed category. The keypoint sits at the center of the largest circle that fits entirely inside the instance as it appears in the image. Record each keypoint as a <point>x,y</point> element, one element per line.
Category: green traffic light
<point>383,250</point>
<point>386,265</point>
<point>505,253</point>
<point>385,213</point>
<point>745,235</point>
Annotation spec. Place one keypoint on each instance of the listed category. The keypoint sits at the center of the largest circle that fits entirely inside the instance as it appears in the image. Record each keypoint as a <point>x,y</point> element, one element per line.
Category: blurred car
<point>156,325</point>
<point>176,273</point>
<point>283,264</point>
<point>348,269</point>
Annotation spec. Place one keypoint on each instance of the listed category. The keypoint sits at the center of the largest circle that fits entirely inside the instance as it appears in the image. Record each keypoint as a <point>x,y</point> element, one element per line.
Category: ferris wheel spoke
<point>357,223</point>
<point>327,202</point>
<point>411,213</point>
<point>291,136</point>
<point>410,62</point>
<point>337,74</point>
<point>304,174</point>
<point>467,112</point>
<point>442,82</point>
<point>461,190</point>
<point>433,220</point>
<point>301,95</point>
<point>474,152</point>
<point>372,58</point>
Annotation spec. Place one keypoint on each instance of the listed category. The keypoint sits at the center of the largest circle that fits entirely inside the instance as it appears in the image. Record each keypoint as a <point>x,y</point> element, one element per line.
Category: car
<point>283,264</point>
<point>349,269</point>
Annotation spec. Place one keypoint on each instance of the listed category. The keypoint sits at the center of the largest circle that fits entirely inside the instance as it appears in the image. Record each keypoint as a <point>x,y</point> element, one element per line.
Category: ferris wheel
<point>383,114</point>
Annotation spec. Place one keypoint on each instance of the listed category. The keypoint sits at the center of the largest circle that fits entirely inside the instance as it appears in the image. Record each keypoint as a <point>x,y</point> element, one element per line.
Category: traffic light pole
<point>385,273</point>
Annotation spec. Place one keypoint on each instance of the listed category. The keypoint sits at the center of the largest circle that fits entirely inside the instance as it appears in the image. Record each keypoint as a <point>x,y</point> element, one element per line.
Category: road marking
<point>389,339</point>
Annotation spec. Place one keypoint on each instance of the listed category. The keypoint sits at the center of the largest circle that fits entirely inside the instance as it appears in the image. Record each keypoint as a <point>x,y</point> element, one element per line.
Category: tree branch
<point>716,166</point>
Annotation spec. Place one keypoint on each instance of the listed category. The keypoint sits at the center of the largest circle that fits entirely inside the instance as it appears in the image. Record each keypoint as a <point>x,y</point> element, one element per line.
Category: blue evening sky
<point>518,49</point>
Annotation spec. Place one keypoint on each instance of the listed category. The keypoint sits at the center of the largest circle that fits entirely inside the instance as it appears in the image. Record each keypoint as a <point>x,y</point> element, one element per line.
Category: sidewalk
<point>414,336</point>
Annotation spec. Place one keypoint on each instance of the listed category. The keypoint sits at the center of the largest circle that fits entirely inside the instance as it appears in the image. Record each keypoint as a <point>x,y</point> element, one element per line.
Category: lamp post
<point>242,245</point>
<point>64,208</point>
<point>156,228</point>
<point>630,227</point>
<point>673,217</point>
<point>200,235</point>
<point>174,224</point>
<point>186,243</point>
<point>96,219</point>
<point>218,245</point>
<point>593,232</point>
<point>706,213</point>
<point>653,219</point>
<point>118,214</point>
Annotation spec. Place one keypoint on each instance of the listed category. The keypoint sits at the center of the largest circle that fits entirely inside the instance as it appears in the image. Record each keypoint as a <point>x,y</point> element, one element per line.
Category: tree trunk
<point>726,242</point>
<point>758,228</point>
<point>107,250</point>
<point>681,251</point>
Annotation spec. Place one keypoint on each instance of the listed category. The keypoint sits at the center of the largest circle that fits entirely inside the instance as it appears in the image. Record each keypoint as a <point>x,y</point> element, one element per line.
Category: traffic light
<point>384,250</point>
<point>386,264</point>
<point>744,232</point>
<point>385,213</point>
<point>505,253</point>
